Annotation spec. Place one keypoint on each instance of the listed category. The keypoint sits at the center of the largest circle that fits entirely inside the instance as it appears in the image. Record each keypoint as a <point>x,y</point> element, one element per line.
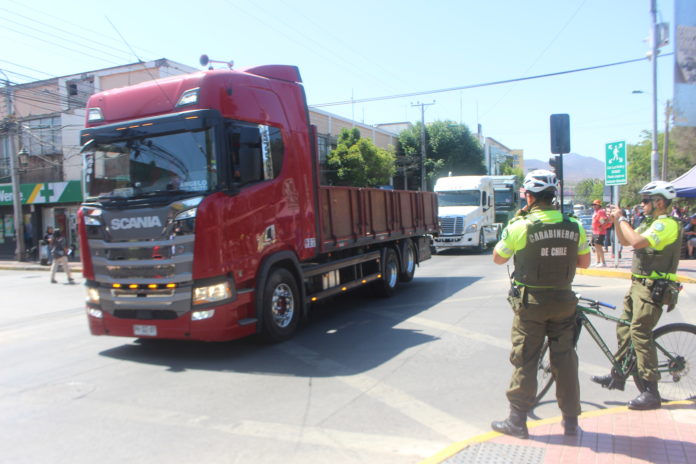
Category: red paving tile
<point>615,436</point>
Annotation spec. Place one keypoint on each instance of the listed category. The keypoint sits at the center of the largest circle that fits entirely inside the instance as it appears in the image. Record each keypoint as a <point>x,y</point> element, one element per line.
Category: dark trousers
<point>541,314</point>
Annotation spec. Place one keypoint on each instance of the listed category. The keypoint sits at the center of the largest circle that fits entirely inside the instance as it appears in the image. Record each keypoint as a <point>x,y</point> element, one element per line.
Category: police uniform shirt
<point>514,236</point>
<point>661,232</point>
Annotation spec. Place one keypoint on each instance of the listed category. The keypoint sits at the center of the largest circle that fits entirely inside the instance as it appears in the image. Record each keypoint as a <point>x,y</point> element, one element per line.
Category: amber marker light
<point>116,286</point>
<point>151,285</point>
<point>171,285</point>
<point>133,286</point>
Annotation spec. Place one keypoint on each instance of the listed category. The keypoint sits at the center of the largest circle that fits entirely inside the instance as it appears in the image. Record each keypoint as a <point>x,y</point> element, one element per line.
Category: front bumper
<point>229,322</point>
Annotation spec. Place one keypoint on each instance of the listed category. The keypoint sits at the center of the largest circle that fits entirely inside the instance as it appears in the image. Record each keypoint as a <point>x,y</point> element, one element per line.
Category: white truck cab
<point>466,213</point>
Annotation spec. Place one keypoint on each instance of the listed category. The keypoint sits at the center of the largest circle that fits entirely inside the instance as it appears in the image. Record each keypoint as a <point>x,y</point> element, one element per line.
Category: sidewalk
<point>616,435</point>
<point>621,268</point>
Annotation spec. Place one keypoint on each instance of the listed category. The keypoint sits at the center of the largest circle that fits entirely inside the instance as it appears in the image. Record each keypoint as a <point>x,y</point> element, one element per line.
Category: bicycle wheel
<point>544,375</point>
<point>676,360</point>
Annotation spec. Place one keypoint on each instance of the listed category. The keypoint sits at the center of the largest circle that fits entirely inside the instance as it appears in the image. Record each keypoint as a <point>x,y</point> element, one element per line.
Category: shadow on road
<point>348,335</point>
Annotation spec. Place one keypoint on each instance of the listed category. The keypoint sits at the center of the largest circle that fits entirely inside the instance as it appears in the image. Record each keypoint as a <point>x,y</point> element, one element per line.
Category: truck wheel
<point>386,286</point>
<point>408,261</point>
<point>482,245</point>
<point>281,306</point>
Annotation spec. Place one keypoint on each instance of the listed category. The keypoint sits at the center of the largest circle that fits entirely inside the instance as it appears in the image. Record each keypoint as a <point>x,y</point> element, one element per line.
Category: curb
<point>455,448</point>
<point>625,274</point>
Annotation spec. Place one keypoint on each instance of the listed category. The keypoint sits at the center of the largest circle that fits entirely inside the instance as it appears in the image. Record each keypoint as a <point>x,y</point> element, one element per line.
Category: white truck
<point>466,213</point>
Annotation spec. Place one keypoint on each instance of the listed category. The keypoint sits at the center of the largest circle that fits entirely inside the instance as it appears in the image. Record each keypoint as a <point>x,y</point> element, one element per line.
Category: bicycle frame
<point>621,368</point>
<point>626,364</point>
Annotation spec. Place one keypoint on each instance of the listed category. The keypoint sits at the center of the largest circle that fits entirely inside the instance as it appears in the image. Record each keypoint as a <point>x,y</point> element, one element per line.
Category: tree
<point>506,169</point>
<point>588,190</point>
<point>450,148</point>
<point>357,162</point>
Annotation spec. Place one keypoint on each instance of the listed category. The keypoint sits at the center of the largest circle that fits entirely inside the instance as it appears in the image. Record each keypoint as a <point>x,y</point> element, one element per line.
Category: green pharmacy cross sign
<point>615,164</point>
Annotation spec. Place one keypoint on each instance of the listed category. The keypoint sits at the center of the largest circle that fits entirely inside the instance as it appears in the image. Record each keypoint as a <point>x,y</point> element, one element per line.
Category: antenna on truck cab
<point>204,60</point>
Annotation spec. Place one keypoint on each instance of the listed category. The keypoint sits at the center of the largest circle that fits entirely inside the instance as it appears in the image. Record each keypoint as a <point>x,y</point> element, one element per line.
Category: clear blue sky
<point>365,49</point>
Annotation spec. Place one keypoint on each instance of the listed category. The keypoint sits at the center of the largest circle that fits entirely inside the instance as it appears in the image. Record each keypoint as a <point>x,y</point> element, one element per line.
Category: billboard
<point>685,63</point>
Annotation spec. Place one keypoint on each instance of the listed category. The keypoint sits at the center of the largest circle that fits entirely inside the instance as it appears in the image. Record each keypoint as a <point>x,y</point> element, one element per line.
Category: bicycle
<point>676,353</point>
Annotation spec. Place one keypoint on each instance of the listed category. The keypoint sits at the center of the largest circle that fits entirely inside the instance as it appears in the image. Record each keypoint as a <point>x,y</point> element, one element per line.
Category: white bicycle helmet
<point>539,180</point>
<point>659,187</point>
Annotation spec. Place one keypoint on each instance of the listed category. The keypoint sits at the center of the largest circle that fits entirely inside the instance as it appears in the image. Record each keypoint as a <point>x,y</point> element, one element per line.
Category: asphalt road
<point>366,380</point>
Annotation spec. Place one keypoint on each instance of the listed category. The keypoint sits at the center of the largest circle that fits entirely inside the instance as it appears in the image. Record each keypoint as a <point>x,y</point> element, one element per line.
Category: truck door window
<point>256,151</point>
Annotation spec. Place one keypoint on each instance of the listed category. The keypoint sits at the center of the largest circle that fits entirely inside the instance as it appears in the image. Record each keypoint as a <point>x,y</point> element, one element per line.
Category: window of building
<point>41,136</point>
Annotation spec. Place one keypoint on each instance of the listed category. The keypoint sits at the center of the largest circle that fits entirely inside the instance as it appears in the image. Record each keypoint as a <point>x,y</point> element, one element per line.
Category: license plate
<point>147,330</point>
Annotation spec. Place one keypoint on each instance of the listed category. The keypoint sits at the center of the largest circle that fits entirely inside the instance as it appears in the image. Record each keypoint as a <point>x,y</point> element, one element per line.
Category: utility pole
<point>11,152</point>
<point>665,149</point>
<point>654,38</point>
<point>422,159</point>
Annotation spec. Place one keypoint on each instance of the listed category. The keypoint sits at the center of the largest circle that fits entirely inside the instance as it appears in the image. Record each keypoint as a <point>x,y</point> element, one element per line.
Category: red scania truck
<point>204,218</point>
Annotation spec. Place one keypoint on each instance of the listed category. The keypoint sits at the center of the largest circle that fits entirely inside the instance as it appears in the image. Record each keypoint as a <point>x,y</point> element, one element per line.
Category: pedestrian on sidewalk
<point>600,224</point>
<point>690,234</point>
<point>59,251</point>
<point>656,249</point>
<point>547,246</point>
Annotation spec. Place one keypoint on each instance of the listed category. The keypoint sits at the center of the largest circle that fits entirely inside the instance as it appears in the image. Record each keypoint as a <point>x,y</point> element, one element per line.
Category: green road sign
<point>615,164</point>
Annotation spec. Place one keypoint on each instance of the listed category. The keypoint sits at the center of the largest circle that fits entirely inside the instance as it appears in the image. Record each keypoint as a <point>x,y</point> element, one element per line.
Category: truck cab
<point>466,213</point>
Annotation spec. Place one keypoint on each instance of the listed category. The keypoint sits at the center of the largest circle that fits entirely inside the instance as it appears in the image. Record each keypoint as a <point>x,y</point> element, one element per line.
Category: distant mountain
<point>575,167</point>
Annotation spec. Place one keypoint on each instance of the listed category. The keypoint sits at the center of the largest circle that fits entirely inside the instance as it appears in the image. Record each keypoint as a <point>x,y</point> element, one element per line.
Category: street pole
<point>653,57</point>
<point>665,148</point>
<point>12,155</point>
<point>423,185</point>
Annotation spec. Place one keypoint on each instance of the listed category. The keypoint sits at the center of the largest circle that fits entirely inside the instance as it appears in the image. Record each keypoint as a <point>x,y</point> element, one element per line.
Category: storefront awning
<point>44,193</point>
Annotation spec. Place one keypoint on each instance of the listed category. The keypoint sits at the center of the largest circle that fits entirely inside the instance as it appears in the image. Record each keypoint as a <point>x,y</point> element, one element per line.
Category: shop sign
<point>48,192</point>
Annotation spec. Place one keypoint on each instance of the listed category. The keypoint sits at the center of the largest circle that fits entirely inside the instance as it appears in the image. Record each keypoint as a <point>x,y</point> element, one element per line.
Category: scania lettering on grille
<point>143,222</point>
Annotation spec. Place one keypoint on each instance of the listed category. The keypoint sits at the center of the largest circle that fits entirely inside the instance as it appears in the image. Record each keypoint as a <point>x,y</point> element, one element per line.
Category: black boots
<point>609,381</point>
<point>649,399</point>
<point>570,425</point>
<point>515,425</point>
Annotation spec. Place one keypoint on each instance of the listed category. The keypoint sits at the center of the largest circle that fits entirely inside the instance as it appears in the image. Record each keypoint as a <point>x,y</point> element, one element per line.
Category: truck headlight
<point>471,228</point>
<point>212,293</point>
<point>92,295</point>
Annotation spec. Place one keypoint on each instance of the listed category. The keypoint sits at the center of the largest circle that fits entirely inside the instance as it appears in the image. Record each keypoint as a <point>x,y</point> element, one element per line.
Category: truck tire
<point>408,261</point>
<point>482,245</point>
<point>281,306</point>
<point>386,286</point>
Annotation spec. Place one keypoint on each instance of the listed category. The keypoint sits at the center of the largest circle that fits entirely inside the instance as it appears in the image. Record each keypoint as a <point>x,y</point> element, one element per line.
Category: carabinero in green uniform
<point>547,247</point>
<point>657,245</point>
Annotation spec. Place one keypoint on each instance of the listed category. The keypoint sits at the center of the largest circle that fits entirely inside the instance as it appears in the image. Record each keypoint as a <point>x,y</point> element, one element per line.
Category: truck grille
<point>148,272</point>
<point>452,225</point>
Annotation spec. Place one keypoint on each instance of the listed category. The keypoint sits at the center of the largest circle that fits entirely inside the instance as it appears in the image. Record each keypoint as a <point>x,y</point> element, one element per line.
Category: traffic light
<point>556,163</point>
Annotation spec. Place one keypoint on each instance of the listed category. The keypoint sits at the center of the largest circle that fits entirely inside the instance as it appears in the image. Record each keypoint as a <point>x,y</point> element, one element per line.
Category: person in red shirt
<point>600,224</point>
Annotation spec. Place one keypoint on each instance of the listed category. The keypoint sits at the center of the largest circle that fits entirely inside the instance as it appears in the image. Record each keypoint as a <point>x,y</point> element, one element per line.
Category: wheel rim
<point>410,260</point>
<point>678,380</point>
<point>282,305</point>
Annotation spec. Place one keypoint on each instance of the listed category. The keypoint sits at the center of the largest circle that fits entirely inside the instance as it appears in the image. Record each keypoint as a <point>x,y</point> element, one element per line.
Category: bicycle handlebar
<point>596,302</point>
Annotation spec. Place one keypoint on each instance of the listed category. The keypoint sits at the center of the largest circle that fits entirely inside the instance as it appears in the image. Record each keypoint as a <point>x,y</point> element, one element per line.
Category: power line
<point>484,84</point>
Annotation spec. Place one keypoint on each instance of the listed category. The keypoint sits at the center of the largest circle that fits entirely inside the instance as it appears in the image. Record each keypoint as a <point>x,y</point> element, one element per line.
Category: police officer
<point>656,247</point>
<point>547,247</point>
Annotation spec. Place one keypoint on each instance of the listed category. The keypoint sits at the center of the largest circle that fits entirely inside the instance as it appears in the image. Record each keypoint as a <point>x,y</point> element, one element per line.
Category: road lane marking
<point>435,419</point>
<point>319,436</point>
<point>503,343</point>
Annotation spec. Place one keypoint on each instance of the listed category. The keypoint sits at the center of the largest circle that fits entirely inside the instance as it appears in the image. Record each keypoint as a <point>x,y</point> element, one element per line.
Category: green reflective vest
<point>550,257</point>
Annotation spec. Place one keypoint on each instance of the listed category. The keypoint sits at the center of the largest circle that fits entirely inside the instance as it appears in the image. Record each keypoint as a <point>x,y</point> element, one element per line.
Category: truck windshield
<point>150,165</point>
<point>459,198</point>
<point>503,197</point>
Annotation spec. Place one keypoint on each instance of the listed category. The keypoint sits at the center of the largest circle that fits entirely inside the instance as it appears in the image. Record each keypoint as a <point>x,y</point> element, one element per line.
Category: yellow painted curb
<point>459,446</point>
<point>608,272</point>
